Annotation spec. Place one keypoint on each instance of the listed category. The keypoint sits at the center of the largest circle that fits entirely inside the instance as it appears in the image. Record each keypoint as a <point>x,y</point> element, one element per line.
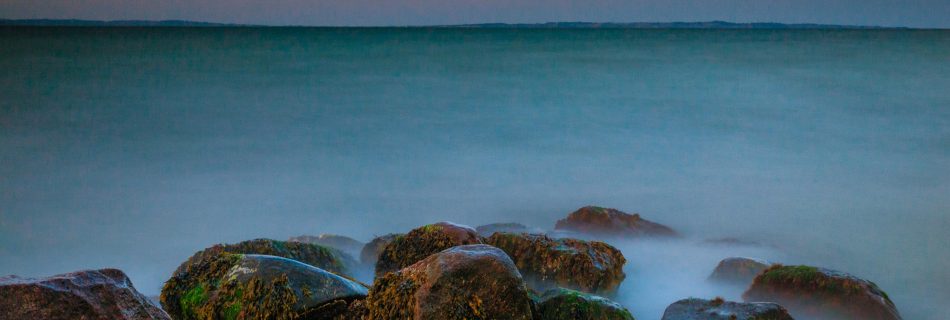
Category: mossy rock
<point>239,286</point>
<point>738,270</point>
<point>819,293</point>
<point>545,263</point>
<point>371,251</point>
<point>719,309</point>
<point>87,294</point>
<point>343,243</point>
<point>421,242</point>
<point>319,256</point>
<point>566,304</point>
<point>607,222</point>
<point>463,282</point>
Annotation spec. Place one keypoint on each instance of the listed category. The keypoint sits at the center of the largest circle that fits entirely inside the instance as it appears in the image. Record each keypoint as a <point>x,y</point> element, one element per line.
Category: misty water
<point>134,148</point>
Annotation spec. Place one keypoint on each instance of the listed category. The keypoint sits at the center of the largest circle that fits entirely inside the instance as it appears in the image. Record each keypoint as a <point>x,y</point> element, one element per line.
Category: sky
<point>908,13</point>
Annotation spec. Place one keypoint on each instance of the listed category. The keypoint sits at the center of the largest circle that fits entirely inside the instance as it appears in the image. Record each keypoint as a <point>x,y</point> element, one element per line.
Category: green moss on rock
<point>566,304</point>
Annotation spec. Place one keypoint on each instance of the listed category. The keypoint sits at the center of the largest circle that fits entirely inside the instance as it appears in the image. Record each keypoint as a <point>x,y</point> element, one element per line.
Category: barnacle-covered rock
<point>719,309</point>
<point>818,293</point>
<point>371,251</point>
<point>319,256</point>
<point>607,222</point>
<point>343,243</point>
<point>738,270</point>
<point>239,286</point>
<point>422,242</point>
<point>566,304</point>
<point>464,282</point>
<point>545,263</point>
<point>89,294</point>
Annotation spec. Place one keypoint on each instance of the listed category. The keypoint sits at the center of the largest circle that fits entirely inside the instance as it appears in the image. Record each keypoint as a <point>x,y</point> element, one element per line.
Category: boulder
<point>250,286</point>
<point>718,309</point>
<point>421,242</point>
<point>606,222</point>
<point>343,243</point>
<point>545,263</point>
<point>90,294</point>
<point>818,293</point>
<point>319,256</point>
<point>490,229</point>
<point>463,282</point>
<point>371,251</point>
<point>566,304</point>
<point>738,270</point>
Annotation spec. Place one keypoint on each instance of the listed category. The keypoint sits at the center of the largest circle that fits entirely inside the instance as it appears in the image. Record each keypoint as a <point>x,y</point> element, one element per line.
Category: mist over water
<point>134,148</point>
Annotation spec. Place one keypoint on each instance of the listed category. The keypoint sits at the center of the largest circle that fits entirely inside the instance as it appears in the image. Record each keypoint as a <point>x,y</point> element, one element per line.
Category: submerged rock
<point>738,270</point>
<point>589,266</point>
<point>818,293</point>
<point>248,286</point>
<point>319,256</point>
<point>612,223</point>
<point>343,243</point>
<point>566,304</point>
<point>511,227</point>
<point>718,309</point>
<point>422,242</point>
<point>371,251</point>
<point>464,282</point>
<point>90,294</point>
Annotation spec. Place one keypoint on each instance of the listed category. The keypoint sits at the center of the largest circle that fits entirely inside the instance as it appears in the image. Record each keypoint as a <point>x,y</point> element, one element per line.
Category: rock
<point>463,282</point>
<point>738,270</point>
<point>422,242</point>
<point>370,253</point>
<point>545,263</point>
<point>566,304</point>
<point>810,292</point>
<point>612,223</point>
<point>249,286</point>
<point>718,309</point>
<point>89,294</point>
<point>343,243</point>
<point>490,229</point>
<point>319,256</point>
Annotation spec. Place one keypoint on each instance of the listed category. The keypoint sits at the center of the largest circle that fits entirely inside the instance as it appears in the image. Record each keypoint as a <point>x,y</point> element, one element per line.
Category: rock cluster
<point>421,242</point>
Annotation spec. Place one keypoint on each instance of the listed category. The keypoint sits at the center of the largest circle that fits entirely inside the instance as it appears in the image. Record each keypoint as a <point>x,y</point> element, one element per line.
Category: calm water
<point>133,148</point>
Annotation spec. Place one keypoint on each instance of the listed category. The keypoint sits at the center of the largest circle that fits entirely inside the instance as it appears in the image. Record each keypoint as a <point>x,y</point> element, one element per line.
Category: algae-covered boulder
<point>719,309</point>
<point>248,286</point>
<point>545,263</point>
<point>510,227</point>
<point>319,256</point>
<point>818,293</point>
<point>422,242</point>
<point>371,251</point>
<point>738,270</point>
<point>89,294</point>
<point>566,304</point>
<point>464,282</point>
<point>612,223</point>
<point>343,243</point>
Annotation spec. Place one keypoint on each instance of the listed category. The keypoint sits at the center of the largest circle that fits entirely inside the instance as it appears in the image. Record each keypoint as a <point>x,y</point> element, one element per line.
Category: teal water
<point>133,148</point>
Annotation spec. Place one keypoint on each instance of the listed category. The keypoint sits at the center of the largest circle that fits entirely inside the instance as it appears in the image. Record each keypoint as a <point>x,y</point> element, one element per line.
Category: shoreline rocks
<point>545,263</point>
<point>88,294</point>
<point>718,309</point>
<point>250,286</point>
<point>463,282</point>
<point>421,242</point>
<point>371,251</point>
<point>738,270</point>
<point>319,256</point>
<point>821,293</point>
<point>607,222</point>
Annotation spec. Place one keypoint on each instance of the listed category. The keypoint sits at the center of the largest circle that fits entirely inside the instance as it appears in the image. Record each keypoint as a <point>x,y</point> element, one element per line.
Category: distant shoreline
<point>547,25</point>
